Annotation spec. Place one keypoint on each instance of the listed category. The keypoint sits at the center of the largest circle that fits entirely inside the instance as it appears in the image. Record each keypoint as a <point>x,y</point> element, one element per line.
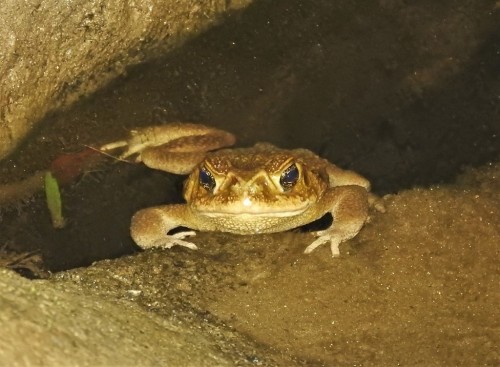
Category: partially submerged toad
<point>262,189</point>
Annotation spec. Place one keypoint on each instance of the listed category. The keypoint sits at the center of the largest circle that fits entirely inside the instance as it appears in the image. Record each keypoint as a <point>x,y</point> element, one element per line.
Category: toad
<point>261,189</point>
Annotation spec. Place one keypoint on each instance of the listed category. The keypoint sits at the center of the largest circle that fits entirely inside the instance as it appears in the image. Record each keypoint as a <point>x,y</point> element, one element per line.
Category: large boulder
<point>53,52</point>
<point>43,324</point>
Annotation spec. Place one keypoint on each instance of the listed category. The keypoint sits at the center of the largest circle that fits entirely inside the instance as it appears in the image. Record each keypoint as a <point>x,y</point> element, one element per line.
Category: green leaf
<point>54,203</point>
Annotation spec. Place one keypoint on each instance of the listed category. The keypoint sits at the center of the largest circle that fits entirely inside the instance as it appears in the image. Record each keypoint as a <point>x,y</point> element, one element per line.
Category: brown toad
<point>262,189</point>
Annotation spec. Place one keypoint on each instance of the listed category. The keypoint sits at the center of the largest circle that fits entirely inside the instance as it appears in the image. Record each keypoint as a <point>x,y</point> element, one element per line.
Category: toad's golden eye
<point>206,179</point>
<point>289,177</point>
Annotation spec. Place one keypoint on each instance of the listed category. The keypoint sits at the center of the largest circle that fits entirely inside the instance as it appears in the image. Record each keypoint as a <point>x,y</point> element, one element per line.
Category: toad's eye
<point>206,179</point>
<point>289,177</point>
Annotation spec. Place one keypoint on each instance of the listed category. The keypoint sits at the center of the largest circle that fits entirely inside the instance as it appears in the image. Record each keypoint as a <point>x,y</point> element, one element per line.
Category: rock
<point>53,325</point>
<point>54,52</point>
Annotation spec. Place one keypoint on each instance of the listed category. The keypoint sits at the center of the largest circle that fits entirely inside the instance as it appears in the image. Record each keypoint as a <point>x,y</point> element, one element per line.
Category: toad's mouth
<point>269,213</point>
<point>253,211</point>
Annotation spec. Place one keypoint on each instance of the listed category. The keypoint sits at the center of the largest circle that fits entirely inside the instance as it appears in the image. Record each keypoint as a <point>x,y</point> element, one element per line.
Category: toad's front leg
<point>150,227</point>
<point>349,208</point>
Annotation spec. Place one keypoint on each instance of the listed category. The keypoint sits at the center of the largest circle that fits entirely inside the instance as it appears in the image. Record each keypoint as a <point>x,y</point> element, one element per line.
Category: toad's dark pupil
<point>289,177</point>
<point>206,179</point>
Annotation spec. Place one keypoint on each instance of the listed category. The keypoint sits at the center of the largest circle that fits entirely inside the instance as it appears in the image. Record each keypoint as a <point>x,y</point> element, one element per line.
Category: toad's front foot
<point>349,212</point>
<point>168,241</point>
<point>150,227</point>
<point>323,237</point>
<point>177,239</point>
